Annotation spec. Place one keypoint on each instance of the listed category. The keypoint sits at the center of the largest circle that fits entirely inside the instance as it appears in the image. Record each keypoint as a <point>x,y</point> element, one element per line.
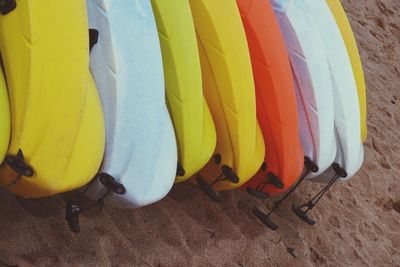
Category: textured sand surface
<point>358,224</point>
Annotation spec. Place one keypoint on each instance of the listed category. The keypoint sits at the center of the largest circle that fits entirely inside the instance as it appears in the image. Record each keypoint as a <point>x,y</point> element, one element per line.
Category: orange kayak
<point>275,97</point>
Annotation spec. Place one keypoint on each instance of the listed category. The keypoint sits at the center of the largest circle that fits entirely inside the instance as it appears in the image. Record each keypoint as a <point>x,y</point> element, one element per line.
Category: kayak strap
<point>227,174</point>
<point>6,6</point>
<point>310,167</point>
<point>93,38</point>
<point>74,209</point>
<point>302,210</point>
<point>18,166</point>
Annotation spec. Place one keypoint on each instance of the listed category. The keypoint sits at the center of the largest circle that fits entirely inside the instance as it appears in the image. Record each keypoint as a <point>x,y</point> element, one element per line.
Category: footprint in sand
<point>396,206</point>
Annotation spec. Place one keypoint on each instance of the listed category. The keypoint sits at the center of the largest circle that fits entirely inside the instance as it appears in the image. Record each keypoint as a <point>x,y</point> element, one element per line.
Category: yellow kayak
<point>58,137</point>
<point>348,36</point>
<point>5,124</point>
<point>230,93</point>
<point>194,127</point>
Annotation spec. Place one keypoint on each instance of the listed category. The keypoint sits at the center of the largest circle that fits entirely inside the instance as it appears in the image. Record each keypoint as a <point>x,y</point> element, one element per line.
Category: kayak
<point>276,98</point>
<point>194,127</point>
<point>350,154</point>
<point>229,90</point>
<point>58,137</point>
<point>141,156</point>
<point>345,28</point>
<point>312,80</point>
<point>346,105</point>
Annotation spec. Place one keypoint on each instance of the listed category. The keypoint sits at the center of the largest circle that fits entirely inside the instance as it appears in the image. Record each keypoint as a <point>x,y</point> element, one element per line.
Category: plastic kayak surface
<point>351,45</point>
<point>275,95</point>
<point>126,62</point>
<point>57,120</point>
<point>5,121</point>
<point>194,127</point>
<point>350,153</point>
<point>312,81</point>
<point>229,90</point>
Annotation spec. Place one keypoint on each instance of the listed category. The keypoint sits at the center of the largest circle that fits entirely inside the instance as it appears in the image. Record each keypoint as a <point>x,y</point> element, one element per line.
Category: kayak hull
<point>312,82</point>
<point>127,65</point>
<point>275,95</point>
<point>194,127</point>
<point>57,119</point>
<point>350,152</point>
<point>229,90</point>
<point>345,28</point>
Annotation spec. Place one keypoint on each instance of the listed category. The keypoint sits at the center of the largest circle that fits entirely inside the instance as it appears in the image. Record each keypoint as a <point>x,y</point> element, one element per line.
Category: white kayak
<point>126,62</point>
<point>350,151</point>
<point>312,81</point>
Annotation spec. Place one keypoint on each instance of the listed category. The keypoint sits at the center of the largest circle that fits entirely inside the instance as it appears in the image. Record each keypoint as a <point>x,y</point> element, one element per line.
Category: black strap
<point>265,217</point>
<point>314,201</point>
<point>301,212</point>
<point>311,167</point>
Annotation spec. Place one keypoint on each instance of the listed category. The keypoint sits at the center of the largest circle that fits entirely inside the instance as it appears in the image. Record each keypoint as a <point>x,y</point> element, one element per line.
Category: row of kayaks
<point>129,96</point>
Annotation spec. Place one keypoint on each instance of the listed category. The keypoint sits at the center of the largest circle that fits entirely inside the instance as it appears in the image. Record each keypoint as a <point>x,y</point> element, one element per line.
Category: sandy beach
<point>358,221</point>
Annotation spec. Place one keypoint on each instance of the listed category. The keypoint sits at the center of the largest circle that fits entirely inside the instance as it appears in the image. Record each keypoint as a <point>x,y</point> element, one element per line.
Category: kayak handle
<point>74,209</point>
<point>19,166</point>
<point>227,174</point>
<point>7,6</point>
<point>93,38</point>
<point>258,192</point>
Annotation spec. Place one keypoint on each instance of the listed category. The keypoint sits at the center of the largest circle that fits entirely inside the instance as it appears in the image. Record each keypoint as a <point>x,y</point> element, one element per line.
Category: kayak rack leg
<point>310,167</point>
<point>302,210</point>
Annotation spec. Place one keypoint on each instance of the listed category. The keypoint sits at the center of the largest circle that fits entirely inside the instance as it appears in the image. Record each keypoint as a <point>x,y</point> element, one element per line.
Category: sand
<point>358,221</point>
